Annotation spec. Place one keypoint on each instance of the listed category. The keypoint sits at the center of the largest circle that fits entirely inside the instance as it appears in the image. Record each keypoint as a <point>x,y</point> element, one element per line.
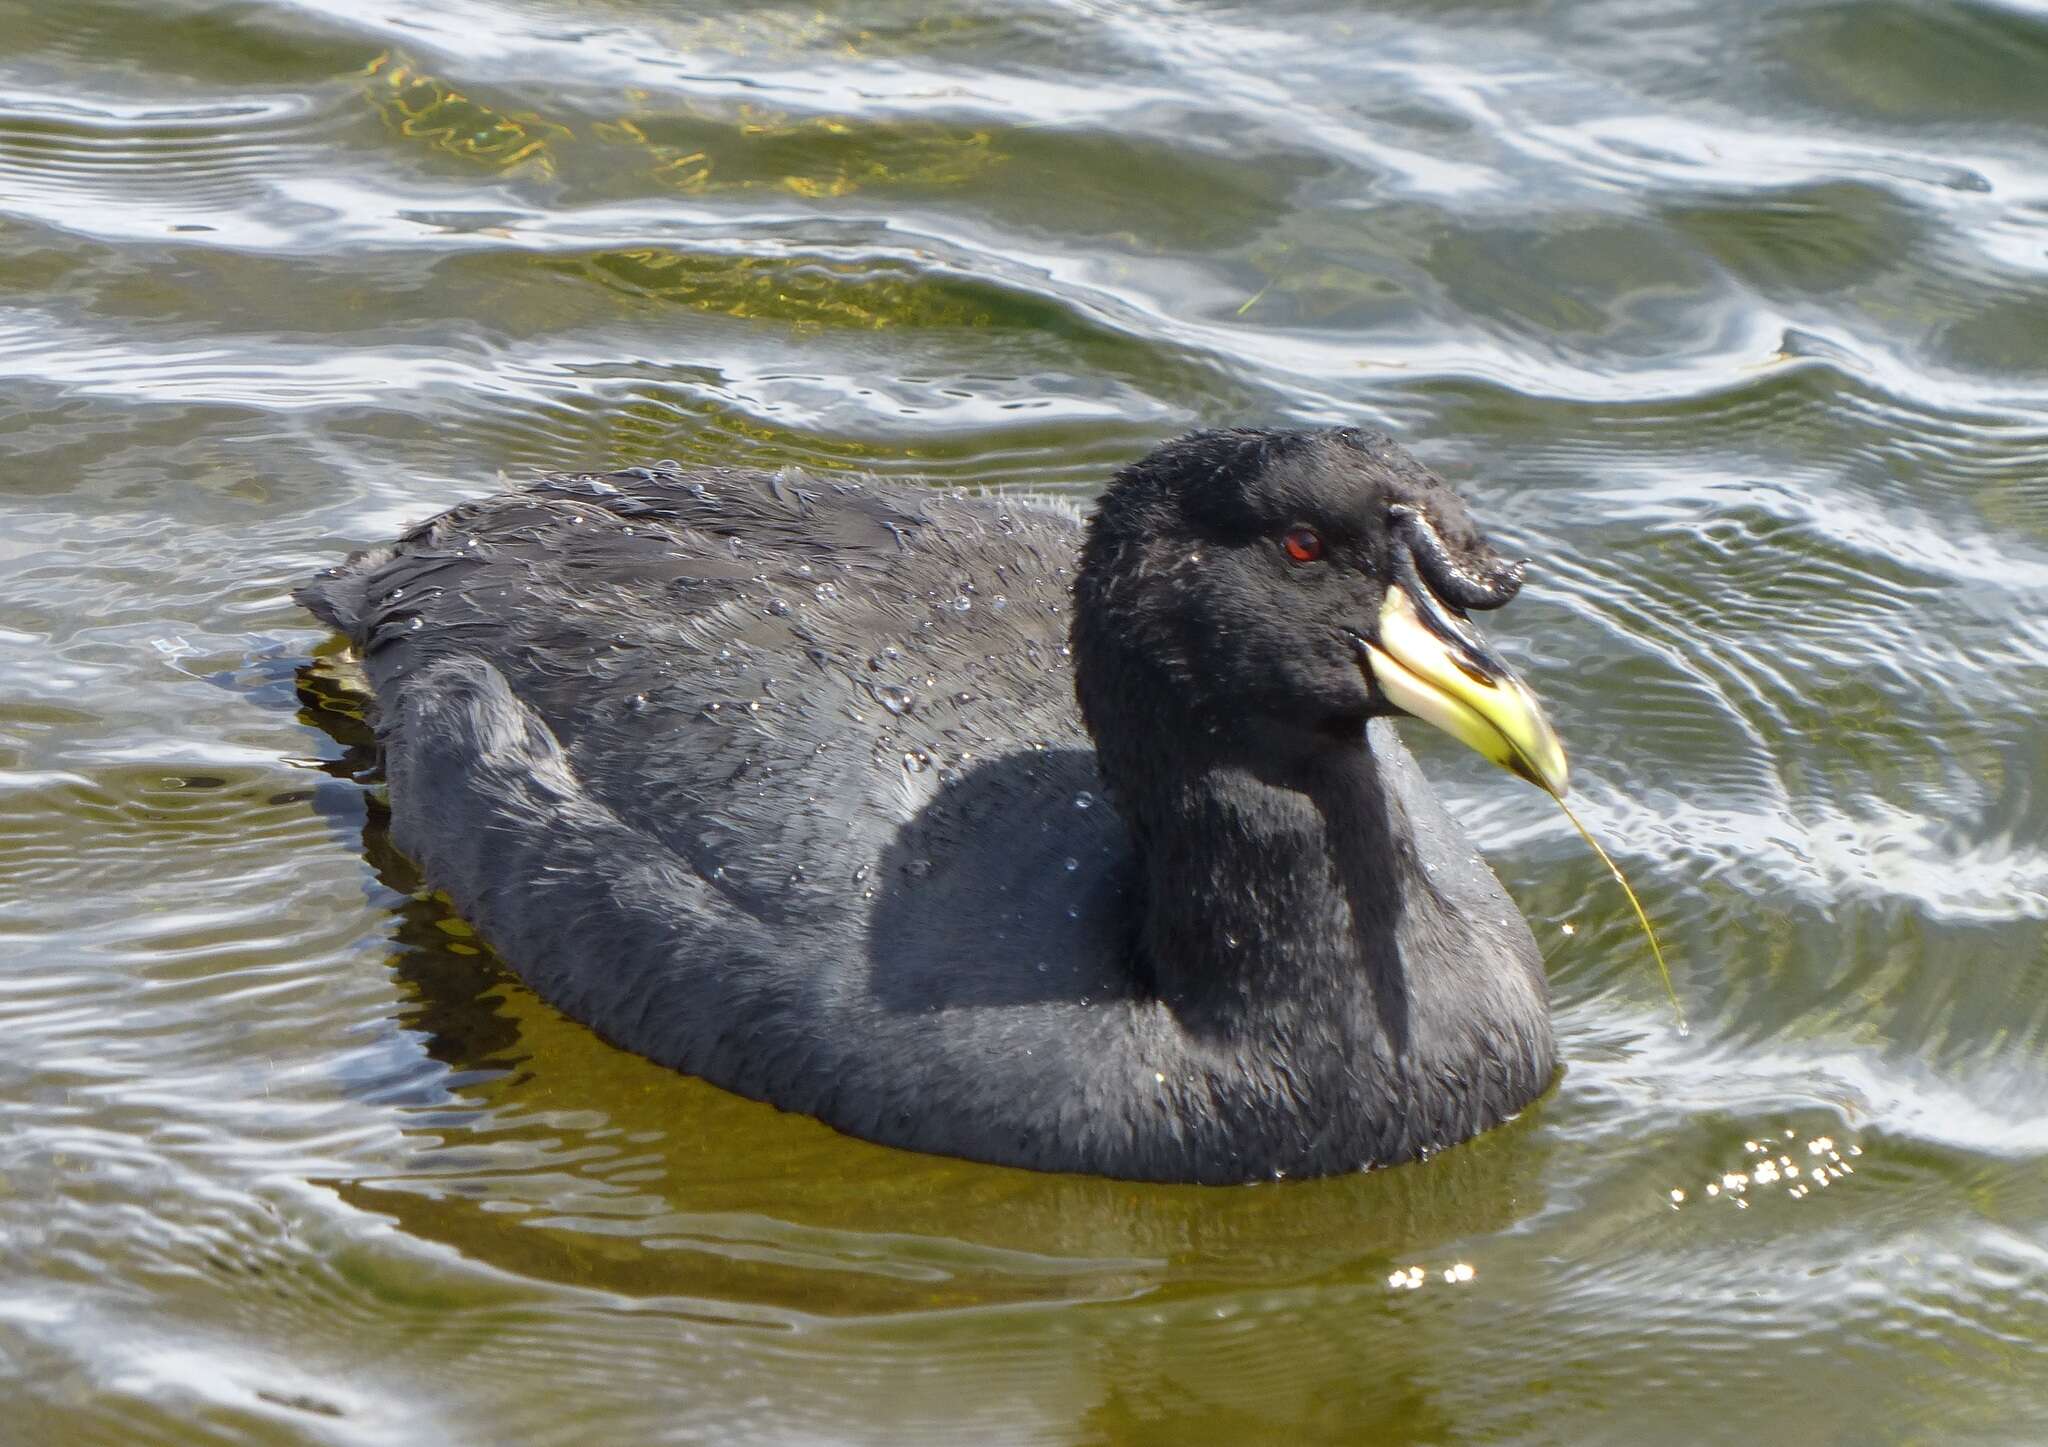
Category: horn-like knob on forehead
<point>1480,583</point>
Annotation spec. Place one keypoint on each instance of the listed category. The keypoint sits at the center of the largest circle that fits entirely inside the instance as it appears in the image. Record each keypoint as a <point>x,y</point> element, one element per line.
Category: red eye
<point>1304,545</point>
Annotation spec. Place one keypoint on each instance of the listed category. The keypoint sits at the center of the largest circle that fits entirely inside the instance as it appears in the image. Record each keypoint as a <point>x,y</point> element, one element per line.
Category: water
<point>1734,317</point>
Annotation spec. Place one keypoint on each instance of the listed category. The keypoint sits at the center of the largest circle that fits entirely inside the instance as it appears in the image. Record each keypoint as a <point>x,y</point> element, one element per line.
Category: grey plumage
<point>780,780</point>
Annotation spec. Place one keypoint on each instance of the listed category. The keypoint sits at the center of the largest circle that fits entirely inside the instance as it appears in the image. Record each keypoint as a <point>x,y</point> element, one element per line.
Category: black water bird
<point>780,780</point>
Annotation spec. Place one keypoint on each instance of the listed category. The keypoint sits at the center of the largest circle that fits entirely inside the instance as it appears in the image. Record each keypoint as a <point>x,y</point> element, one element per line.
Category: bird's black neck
<point>1272,896</point>
<point>1293,924</point>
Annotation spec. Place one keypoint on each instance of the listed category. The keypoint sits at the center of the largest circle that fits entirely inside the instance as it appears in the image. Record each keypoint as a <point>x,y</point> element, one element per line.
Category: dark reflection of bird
<point>779,780</point>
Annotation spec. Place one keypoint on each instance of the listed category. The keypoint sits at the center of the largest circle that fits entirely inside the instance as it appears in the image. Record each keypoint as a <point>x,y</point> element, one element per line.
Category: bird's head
<point>1257,592</point>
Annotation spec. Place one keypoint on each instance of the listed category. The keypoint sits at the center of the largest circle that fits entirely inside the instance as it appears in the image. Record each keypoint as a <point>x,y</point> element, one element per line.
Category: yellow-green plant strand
<point>1677,1010</point>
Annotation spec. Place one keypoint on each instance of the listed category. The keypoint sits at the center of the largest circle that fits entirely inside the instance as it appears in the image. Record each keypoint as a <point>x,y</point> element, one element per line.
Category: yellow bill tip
<point>1486,708</point>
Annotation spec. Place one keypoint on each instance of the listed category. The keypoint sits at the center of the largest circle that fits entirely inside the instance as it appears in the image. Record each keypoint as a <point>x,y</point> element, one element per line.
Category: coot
<point>970,826</point>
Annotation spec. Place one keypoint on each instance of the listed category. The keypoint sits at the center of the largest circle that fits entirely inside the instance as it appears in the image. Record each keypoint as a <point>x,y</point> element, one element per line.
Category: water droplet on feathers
<point>895,698</point>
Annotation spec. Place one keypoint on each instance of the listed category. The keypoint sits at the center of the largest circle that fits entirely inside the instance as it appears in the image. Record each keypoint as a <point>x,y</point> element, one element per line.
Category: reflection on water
<point>1730,316</point>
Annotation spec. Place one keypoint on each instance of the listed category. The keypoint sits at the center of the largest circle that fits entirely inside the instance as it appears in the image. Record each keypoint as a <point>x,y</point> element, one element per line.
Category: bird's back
<point>776,779</point>
<point>765,673</point>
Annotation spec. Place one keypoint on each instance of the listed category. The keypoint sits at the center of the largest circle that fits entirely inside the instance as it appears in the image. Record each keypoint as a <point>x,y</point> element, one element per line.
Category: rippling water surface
<point>1734,316</point>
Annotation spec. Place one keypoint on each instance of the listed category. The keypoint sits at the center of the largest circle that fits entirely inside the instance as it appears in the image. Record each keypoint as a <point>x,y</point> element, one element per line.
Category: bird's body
<point>781,781</point>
